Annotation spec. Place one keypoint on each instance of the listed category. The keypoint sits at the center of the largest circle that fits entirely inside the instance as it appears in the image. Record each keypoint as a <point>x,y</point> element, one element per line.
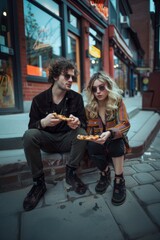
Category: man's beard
<point>62,88</point>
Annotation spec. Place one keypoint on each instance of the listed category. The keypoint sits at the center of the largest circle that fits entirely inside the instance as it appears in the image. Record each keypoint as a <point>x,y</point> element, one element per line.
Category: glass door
<point>10,79</point>
<point>73,54</point>
<point>6,74</point>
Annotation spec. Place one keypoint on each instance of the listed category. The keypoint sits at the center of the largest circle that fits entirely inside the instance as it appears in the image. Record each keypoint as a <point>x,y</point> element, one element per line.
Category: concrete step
<point>12,128</point>
<point>144,127</point>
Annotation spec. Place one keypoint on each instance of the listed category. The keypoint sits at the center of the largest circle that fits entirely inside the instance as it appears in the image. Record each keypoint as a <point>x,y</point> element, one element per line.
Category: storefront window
<point>50,5</point>
<point>113,17</point>
<point>73,45</point>
<point>72,19</point>
<point>120,73</point>
<point>94,51</point>
<point>73,54</point>
<point>114,3</point>
<point>7,99</point>
<point>6,84</point>
<point>72,48</point>
<point>43,39</point>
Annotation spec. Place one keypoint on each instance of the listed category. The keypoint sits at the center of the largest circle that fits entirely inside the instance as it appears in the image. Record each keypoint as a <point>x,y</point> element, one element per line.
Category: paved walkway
<point>62,214</point>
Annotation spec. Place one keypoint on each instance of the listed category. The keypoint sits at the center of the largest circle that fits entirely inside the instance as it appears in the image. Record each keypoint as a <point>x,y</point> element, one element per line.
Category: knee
<point>93,148</point>
<point>29,135</point>
<point>81,131</point>
<point>116,149</point>
<point>78,131</point>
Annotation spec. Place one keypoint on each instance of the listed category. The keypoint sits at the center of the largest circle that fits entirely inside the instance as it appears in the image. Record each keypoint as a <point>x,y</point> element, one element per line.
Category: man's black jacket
<point>43,104</point>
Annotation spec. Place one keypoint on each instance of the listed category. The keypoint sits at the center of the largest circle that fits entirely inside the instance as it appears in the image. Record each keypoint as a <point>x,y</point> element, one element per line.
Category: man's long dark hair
<point>59,66</point>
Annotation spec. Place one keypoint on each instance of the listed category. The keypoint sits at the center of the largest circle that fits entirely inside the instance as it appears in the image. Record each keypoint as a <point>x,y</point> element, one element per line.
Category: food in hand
<point>87,137</point>
<point>62,117</point>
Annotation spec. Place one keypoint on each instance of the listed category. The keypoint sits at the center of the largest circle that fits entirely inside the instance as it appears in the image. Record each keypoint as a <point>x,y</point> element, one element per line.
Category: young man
<point>50,134</point>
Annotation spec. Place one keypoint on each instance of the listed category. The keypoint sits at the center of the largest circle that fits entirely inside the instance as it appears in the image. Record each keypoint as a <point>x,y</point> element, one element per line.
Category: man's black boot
<point>104,182</point>
<point>73,180</point>
<point>35,194</point>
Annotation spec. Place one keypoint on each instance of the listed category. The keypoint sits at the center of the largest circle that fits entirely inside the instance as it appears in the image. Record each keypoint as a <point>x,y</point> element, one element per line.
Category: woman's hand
<point>103,137</point>
<point>74,123</point>
<point>49,121</point>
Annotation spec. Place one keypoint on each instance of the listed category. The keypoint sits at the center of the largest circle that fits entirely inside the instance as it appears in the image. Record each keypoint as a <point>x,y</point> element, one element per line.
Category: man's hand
<point>49,121</point>
<point>74,123</point>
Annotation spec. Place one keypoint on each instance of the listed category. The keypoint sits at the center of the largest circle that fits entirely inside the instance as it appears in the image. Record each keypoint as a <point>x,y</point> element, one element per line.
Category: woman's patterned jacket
<point>117,122</point>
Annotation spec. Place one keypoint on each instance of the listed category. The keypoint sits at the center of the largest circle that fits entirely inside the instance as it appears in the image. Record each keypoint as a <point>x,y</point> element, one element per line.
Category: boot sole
<point>118,203</point>
<point>101,192</point>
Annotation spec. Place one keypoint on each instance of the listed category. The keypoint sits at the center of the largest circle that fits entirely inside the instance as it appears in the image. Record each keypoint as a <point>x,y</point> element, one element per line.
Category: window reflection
<point>114,3</point>
<point>94,51</point>
<point>120,73</point>
<point>6,84</point>
<point>72,19</point>
<point>43,39</point>
<point>7,99</point>
<point>72,49</point>
<point>73,54</point>
<point>50,5</point>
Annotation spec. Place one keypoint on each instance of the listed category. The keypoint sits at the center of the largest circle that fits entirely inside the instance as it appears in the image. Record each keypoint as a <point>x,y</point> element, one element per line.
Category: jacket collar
<point>69,94</point>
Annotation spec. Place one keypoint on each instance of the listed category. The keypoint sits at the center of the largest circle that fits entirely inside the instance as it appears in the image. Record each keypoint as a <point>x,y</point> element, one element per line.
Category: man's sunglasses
<point>68,76</point>
<point>101,88</point>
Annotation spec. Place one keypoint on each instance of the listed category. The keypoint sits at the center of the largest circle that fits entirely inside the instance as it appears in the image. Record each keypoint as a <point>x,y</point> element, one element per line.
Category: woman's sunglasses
<point>101,88</point>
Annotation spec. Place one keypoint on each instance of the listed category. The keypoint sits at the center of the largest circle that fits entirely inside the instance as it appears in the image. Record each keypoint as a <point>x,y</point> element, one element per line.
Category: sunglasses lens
<point>68,76</point>
<point>94,89</point>
<point>101,88</point>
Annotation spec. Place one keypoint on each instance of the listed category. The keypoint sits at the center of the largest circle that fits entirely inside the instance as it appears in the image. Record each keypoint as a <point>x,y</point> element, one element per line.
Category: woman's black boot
<point>119,191</point>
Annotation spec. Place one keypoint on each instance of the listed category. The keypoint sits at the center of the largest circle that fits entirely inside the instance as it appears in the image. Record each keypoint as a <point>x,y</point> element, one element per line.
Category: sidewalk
<point>63,214</point>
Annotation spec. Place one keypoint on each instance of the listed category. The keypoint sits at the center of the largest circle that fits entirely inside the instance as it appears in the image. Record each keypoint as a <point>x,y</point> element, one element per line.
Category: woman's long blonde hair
<point>113,99</point>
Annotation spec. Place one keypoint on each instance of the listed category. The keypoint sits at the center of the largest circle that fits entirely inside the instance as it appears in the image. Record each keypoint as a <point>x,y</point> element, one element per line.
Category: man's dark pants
<point>35,140</point>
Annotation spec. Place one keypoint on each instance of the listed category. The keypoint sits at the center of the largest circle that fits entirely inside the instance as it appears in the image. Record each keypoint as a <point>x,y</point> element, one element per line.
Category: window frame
<point>99,39</point>
<point>41,79</point>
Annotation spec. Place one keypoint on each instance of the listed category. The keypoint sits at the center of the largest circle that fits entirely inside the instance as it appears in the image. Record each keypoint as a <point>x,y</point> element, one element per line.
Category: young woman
<point>107,116</point>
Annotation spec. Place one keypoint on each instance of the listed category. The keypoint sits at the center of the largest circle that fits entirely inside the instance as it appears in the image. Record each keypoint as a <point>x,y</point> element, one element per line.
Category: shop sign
<point>145,80</point>
<point>101,6</point>
<point>95,52</point>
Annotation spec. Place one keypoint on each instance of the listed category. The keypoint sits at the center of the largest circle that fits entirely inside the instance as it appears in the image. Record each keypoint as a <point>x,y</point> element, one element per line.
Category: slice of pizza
<point>87,137</point>
<point>62,117</point>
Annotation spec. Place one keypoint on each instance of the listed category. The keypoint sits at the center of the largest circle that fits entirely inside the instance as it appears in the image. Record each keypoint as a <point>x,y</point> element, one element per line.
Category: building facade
<point>144,20</point>
<point>95,34</point>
